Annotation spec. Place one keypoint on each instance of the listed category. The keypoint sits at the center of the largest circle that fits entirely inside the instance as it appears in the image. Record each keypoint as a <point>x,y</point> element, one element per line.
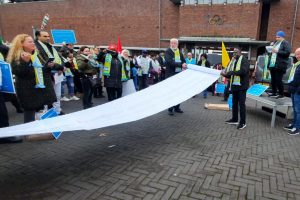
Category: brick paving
<point>188,156</point>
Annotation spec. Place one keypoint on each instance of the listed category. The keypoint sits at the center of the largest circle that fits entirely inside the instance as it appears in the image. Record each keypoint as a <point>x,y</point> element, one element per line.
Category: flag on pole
<point>119,46</point>
<point>45,21</point>
<point>225,56</point>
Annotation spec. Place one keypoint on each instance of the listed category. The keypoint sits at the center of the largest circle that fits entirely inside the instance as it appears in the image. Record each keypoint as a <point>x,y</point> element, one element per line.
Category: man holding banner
<point>239,83</point>
<point>175,63</point>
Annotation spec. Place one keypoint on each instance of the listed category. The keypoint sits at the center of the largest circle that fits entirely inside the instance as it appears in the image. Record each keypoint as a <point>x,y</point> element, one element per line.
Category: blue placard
<point>49,114</point>
<point>7,78</point>
<point>220,88</point>
<point>257,90</point>
<point>63,36</point>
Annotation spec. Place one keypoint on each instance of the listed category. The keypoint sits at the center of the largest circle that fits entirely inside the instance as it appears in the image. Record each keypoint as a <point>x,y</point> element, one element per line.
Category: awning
<point>220,39</point>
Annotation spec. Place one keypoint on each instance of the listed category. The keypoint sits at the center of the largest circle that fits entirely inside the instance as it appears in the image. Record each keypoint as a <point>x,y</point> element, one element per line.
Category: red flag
<point>119,46</point>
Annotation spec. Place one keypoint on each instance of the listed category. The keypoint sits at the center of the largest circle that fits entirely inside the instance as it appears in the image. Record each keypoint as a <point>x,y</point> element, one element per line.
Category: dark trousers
<point>239,103</point>
<point>98,90</point>
<point>77,82</point>
<point>3,112</point>
<point>143,81</point>
<point>29,116</point>
<point>177,107</point>
<point>87,93</point>
<point>276,81</point>
<point>113,93</point>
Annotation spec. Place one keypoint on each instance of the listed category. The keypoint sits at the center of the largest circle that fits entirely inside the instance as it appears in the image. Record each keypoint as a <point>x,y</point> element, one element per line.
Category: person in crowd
<point>175,63</point>
<point>89,75</point>
<point>239,83</point>
<point>278,63</point>
<point>143,69</point>
<point>33,76</point>
<point>8,97</point>
<point>114,72</point>
<point>68,78</point>
<point>162,63</point>
<point>98,89</point>
<point>78,90</point>
<point>155,68</point>
<point>189,59</point>
<point>48,52</point>
<point>69,47</point>
<point>204,63</point>
<point>294,89</point>
<point>134,72</point>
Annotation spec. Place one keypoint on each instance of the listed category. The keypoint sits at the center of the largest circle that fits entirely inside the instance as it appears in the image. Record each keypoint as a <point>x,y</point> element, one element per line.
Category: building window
<point>208,2</point>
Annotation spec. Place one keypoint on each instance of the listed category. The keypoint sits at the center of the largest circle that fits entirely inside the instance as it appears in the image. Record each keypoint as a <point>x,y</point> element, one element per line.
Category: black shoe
<point>61,113</point>
<point>288,127</point>
<point>232,122</point>
<point>273,95</point>
<point>241,126</point>
<point>170,112</point>
<point>178,111</point>
<point>294,131</point>
<point>280,97</point>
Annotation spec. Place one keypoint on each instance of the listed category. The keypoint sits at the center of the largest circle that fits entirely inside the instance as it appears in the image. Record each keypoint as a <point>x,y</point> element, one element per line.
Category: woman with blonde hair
<point>33,76</point>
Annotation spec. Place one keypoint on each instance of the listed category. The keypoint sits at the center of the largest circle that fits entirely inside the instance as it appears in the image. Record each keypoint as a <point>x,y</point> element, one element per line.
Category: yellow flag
<point>225,56</point>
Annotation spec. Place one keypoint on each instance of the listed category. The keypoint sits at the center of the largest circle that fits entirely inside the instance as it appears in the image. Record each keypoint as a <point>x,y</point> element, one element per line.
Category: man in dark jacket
<point>278,64</point>
<point>294,89</point>
<point>162,63</point>
<point>114,72</point>
<point>175,63</point>
<point>239,83</point>
<point>47,51</point>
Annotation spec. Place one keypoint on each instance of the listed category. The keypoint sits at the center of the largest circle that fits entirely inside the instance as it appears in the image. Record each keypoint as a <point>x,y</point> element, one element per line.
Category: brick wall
<point>141,23</point>
<point>238,21</point>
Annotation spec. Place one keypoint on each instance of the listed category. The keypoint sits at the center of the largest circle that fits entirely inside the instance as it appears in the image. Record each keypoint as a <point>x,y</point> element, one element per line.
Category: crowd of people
<point>41,73</point>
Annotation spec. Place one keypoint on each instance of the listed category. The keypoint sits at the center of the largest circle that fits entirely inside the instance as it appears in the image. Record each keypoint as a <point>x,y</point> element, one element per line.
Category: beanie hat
<point>280,34</point>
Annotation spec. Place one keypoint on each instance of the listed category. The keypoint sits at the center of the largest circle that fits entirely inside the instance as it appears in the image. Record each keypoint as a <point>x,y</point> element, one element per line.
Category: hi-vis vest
<point>293,70</point>
<point>107,66</point>
<point>236,80</point>
<point>55,55</point>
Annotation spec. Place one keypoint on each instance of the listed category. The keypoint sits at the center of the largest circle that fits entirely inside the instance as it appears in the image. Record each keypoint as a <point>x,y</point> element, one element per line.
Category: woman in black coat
<point>31,98</point>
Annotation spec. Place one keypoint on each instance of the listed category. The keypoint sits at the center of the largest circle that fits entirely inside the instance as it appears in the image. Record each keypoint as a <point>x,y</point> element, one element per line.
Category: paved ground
<point>187,156</point>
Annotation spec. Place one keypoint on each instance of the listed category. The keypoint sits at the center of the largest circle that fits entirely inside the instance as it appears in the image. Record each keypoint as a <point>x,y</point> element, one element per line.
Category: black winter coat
<point>115,78</point>
<point>283,56</point>
<point>32,98</point>
<point>243,73</point>
<point>294,86</point>
<point>171,65</point>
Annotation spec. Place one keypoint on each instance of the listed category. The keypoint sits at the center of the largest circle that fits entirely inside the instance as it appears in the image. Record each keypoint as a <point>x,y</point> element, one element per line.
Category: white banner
<point>138,105</point>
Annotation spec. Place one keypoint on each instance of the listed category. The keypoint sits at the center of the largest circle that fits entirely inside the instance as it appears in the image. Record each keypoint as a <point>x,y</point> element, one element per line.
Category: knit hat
<point>280,34</point>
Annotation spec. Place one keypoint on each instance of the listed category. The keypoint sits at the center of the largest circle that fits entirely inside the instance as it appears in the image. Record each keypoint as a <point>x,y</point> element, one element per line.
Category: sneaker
<point>65,99</point>
<point>280,97</point>
<point>231,122</point>
<point>294,131</point>
<point>170,112</point>
<point>241,126</point>
<point>74,98</point>
<point>288,127</point>
<point>178,110</point>
<point>273,95</point>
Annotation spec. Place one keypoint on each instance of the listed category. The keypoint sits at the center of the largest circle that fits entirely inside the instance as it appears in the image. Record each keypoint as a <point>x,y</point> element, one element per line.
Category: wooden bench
<point>273,103</point>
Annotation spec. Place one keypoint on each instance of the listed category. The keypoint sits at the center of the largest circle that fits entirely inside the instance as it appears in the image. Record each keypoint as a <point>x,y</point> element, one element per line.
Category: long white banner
<point>139,105</point>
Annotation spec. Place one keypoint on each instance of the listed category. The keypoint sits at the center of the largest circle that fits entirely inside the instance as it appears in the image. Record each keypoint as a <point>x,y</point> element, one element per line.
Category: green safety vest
<point>107,66</point>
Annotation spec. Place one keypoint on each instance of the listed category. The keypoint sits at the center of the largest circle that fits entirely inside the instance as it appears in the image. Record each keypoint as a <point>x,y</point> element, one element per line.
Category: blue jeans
<point>70,84</point>
<point>205,93</point>
<point>296,109</point>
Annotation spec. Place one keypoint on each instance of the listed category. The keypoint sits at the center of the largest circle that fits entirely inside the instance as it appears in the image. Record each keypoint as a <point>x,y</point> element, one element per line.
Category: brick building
<point>199,24</point>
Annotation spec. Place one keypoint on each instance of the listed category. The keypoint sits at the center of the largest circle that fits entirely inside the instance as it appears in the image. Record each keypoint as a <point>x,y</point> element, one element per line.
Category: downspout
<point>159,23</point>
<point>294,24</point>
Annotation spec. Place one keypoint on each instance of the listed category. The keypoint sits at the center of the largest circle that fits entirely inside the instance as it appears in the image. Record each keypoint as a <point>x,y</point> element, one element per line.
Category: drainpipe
<point>159,23</point>
<point>294,23</point>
